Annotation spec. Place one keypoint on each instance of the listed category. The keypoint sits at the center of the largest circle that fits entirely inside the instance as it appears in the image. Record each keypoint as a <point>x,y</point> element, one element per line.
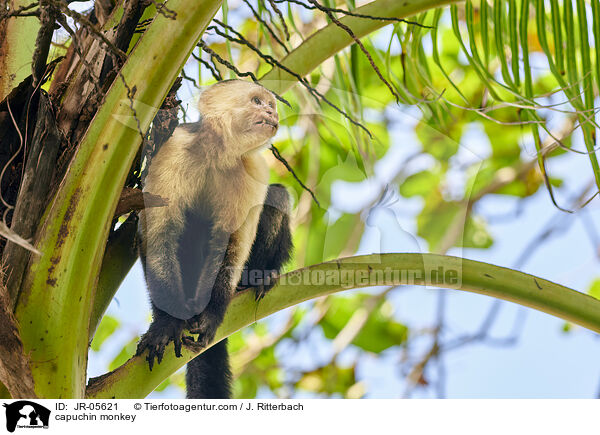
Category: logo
<point>26,414</point>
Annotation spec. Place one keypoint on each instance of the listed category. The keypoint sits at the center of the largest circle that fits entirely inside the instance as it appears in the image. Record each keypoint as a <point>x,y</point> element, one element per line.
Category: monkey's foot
<point>205,325</point>
<point>161,332</point>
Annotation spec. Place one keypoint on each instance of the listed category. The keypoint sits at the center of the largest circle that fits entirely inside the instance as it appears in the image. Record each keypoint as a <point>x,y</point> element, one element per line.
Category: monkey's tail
<point>208,375</point>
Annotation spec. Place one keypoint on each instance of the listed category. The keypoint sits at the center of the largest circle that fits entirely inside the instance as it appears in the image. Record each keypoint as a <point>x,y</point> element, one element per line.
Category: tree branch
<point>132,199</point>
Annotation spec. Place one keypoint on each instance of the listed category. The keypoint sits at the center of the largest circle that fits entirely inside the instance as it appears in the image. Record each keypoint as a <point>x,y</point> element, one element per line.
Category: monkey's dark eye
<point>256,100</point>
<point>271,105</point>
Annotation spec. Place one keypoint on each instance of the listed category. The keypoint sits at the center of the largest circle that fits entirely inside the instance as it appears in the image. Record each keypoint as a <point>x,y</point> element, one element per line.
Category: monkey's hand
<point>205,325</point>
<point>161,332</point>
<point>267,284</point>
<point>261,285</point>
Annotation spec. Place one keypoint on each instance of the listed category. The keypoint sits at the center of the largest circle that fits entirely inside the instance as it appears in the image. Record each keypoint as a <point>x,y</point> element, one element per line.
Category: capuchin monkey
<point>221,215</point>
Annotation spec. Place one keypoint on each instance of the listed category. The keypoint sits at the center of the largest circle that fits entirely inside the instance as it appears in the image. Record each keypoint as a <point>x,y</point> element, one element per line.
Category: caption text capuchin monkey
<point>221,215</point>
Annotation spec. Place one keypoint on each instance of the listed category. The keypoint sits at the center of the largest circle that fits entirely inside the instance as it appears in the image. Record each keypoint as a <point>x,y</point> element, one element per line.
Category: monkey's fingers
<point>191,344</point>
<point>177,343</point>
<point>260,292</point>
<point>158,336</point>
<point>152,353</point>
<point>150,360</point>
<point>197,324</point>
<point>200,329</point>
<point>187,340</point>
<point>160,351</point>
<point>144,345</point>
<point>268,283</point>
<point>204,340</point>
<point>205,325</point>
<point>156,351</point>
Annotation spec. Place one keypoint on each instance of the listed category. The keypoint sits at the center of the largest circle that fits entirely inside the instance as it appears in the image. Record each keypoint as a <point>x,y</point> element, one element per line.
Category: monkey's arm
<point>164,327</point>
<point>158,253</point>
<point>272,247</point>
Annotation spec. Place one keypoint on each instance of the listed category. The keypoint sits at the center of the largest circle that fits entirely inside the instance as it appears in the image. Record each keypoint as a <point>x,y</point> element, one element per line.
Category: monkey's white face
<point>265,119</point>
<point>246,111</point>
<point>257,117</point>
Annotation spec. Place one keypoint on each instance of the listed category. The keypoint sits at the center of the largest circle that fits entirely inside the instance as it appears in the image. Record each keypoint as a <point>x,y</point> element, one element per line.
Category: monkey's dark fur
<point>208,375</point>
<point>193,250</point>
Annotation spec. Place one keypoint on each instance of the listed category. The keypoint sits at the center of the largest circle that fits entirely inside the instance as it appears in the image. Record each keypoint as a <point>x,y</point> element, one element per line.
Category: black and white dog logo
<point>26,414</point>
